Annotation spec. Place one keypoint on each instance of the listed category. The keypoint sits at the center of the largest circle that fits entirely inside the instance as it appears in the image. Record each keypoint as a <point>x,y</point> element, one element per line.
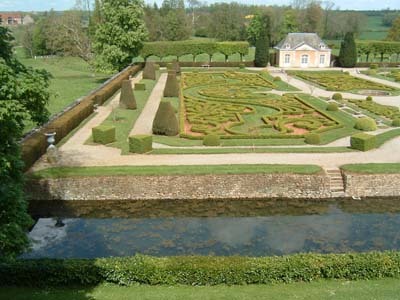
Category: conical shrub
<point>127,98</point>
<point>165,122</point>
<point>176,67</point>
<point>149,71</point>
<point>172,86</point>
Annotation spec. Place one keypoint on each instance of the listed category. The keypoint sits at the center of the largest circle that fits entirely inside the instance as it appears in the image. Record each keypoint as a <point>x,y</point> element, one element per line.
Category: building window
<point>321,46</point>
<point>286,46</point>
<point>322,60</point>
<point>287,58</point>
<point>10,20</point>
<point>304,59</point>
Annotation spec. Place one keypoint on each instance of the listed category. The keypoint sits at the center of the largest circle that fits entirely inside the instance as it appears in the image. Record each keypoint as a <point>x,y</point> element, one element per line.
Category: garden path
<point>143,124</point>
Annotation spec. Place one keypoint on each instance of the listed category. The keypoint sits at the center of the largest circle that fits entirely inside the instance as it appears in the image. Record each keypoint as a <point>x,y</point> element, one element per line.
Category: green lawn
<point>378,168</point>
<point>382,289</point>
<point>72,79</point>
<point>60,172</point>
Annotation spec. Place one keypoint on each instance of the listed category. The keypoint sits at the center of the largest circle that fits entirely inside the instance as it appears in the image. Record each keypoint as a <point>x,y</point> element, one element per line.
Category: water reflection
<point>331,231</point>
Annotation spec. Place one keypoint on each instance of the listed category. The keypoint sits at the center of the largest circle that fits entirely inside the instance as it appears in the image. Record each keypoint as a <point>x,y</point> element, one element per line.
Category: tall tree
<point>174,25</point>
<point>121,35</point>
<point>348,51</point>
<point>23,96</point>
<point>394,32</point>
<point>262,43</point>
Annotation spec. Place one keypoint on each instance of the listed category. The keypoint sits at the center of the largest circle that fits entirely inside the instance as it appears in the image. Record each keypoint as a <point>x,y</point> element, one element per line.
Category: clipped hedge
<point>211,140</point>
<point>172,86</point>
<point>103,134</point>
<point>127,98</point>
<point>201,270</point>
<point>337,96</point>
<point>313,139</point>
<point>365,124</point>
<point>165,122</point>
<point>396,122</point>
<point>363,142</point>
<point>140,86</point>
<point>332,107</point>
<point>140,143</point>
<point>149,71</point>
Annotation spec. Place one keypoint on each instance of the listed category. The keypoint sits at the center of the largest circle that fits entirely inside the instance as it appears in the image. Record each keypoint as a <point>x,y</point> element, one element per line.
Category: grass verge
<point>61,172</point>
<point>374,168</point>
<point>383,289</point>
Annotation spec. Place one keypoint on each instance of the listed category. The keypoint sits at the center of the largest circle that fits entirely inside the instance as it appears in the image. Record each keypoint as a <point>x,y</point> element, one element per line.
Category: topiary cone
<point>149,71</point>
<point>165,122</point>
<point>127,98</point>
<point>176,67</point>
<point>172,86</point>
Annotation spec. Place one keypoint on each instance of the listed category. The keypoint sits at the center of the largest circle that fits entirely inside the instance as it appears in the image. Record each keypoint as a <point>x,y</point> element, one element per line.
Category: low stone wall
<point>371,185</point>
<point>247,186</point>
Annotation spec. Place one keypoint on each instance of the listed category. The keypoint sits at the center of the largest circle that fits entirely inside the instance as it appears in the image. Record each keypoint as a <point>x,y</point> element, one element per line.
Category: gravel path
<point>144,124</point>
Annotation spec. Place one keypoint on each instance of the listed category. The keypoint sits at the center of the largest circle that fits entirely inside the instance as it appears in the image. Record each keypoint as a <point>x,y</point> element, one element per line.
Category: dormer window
<point>322,46</point>
<point>286,46</point>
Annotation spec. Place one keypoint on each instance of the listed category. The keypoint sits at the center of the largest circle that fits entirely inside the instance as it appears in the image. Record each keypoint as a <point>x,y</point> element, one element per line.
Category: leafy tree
<point>348,51</point>
<point>23,95</point>
<point>120,37</point>
<point>262,43</point>
<point>175,27</point>
<point>394,32</point>
<point>254,29</point>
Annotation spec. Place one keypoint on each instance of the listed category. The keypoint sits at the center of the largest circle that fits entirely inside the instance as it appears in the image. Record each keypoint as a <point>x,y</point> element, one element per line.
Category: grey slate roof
<point>295,40</point>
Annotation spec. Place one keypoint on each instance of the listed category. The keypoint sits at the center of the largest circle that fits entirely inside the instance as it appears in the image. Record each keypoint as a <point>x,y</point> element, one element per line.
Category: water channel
<point>91,229</point>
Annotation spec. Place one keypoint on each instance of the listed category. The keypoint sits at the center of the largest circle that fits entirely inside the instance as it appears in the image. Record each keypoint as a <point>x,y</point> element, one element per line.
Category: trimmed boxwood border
<point>200,270</point>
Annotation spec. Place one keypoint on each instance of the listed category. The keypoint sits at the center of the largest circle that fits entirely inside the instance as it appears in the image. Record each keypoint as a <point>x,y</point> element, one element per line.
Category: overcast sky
<point>42,5</point>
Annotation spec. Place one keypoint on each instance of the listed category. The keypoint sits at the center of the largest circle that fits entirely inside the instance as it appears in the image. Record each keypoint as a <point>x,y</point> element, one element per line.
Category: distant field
<point>374,29</point>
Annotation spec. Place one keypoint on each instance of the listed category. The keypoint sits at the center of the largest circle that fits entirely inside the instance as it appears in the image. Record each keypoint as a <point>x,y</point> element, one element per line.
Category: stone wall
<point>254,186</point>
<point>371,185</point>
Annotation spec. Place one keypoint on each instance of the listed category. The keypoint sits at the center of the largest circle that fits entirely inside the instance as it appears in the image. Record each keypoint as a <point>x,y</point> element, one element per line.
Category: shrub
<point>396,122</point>
<point>140,86</point>
<point>242,66</point>
<point>127,98</point>
<point>277,78</point>
<point>363,142</point>
<point>371,72</point>
<point>140,143</point>
<point>348,51</point>
<point>313,138</point>
<point>200,270</point>
<point>211,140</point>
<point>337,96</point>
<point>369,98</point>
<point>261,58</point>
<point>157,67</point>
<point>373,66</point>
<point>149,71</point>
<point>397,78</point>
<point>172,86</point>
<point>332,107</point>
<point>103,134</point>
<point>365,124</point>
<point>165,121</point>
<point>176,67</point>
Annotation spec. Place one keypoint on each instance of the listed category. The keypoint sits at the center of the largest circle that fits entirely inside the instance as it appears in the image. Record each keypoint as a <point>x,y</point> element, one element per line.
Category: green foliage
<point>127,98</point>
<point>394,32</point>
<point>211,140</point>
<point>390,112</point>
<point>371,72</point>
<point>373,66</point>
<point>242,66</point>
<point>172,86</point>
<point>277,78</point>
<point>165,121</point>
<point>149,71</point>
<point>396,122</point>
<point>175,26</point>
<point>200,270</point>
<point>261,58</point>
<point>337,96</point>
<point>193,47</point>
<point>340,81</point>
<point>140,86</point>
<point>365,124</point>
<point>140,143</point>
<point>120,36</point>
<point>313,139</point>
<point>348,51</point>
<point>377,47</point>
<point>103,134</point>
<point>23,96</point>
<point>369,98</point>
<point>363,142</point>
<point>332,107</point>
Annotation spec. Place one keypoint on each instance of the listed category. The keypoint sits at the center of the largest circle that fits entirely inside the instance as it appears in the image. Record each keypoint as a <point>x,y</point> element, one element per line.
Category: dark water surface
<point>250,228</point>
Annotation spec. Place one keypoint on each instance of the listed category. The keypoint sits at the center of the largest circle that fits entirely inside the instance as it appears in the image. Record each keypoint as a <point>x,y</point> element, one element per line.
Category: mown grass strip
<point>373,168</point>
<point>62,172</point>
<point>387,136</point>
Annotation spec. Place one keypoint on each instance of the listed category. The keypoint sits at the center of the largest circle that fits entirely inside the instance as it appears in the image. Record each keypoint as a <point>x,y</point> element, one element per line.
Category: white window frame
<point>287,59</point>
<point>322,59</point>
<point>304,59</point>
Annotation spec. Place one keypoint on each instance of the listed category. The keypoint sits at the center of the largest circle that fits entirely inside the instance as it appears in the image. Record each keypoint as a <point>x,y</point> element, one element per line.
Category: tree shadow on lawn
<point>47,293</point>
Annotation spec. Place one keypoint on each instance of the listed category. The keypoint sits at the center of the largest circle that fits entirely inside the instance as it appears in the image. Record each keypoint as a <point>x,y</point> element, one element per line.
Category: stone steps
<point>336,183</point>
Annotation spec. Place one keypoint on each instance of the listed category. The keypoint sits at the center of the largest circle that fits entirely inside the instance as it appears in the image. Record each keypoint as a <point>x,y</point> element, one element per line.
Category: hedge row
<point>35,144</point>
<point>378,47</point>
<point>201,270</point>
<point>214,64</point>
<point>179,48</point>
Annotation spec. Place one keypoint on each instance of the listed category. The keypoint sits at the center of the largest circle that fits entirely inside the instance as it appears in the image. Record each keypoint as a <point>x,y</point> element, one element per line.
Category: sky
<point>43,5</point>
